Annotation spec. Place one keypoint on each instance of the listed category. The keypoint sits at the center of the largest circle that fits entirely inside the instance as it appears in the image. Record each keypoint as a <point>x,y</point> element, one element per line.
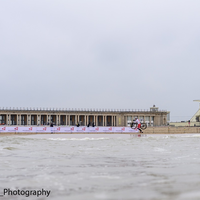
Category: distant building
<point>100,117</point>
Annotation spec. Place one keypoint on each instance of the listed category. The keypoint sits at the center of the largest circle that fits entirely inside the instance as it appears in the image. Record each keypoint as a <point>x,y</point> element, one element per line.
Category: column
<point>38,120</point>
<point>49,119</point>
<point>58,123</point>
<point>7,120</point>
<point>106,120</point>
<point>103,120</point>
<point>69,120</point>
<point>20,116</point>
<point>125,120</point>
<point>16,119</point>
<point>27,119</point>
<point>85,120</point>
<point>66,119</point>
<point>150,120</point>
<point>56,120</point>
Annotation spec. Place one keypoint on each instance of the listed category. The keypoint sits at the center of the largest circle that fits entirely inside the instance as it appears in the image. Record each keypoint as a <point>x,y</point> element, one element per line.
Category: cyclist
<point>138,124</point>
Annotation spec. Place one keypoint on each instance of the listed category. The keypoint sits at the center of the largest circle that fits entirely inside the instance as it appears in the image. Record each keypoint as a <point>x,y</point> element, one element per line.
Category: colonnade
<point>31,118</point>
<point>58,119</point>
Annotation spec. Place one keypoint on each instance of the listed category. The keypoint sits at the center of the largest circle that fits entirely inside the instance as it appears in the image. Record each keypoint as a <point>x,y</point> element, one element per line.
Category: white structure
<point>194,121</point>
<point>196,117</point>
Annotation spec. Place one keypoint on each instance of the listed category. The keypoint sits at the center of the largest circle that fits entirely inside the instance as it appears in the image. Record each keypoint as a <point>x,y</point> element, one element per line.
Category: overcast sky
<point>101,54</point>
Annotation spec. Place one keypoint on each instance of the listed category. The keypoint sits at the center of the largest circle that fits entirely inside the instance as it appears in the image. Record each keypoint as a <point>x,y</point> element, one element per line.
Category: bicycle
<point>143,126</point>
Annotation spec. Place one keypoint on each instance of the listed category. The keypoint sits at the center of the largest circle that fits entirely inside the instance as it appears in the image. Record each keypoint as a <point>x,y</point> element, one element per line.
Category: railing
<point>77,109</point>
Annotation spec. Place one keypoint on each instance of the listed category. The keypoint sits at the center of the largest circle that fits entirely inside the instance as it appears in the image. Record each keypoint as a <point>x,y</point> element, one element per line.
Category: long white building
<point>100,117</point>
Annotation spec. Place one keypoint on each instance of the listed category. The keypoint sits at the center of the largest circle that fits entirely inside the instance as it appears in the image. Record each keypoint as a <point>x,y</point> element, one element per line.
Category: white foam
<point>191,136</point>
<point>79,139</point>
<point>190,195</point>
<point>159,149</point>
<point>107,177</point>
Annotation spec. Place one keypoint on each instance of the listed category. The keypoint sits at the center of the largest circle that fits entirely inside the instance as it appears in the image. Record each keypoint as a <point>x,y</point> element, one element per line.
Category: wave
<point>63,139</point>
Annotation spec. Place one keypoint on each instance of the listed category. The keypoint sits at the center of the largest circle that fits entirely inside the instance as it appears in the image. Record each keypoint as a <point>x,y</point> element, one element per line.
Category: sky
<point>112,54</point>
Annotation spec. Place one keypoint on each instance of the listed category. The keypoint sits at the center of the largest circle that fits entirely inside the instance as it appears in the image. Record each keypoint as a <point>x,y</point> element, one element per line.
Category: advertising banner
<point>93,129</point>
<point>26,129</point>
<point>129,129</point>
<point>106,129</point>
<point>42,129</point>
<point>67,129</point>
<point>3,129</point>
<point>119,129</point>
<point>11,129</point>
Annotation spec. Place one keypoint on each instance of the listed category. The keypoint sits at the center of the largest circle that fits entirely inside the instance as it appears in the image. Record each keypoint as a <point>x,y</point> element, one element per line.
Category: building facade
<point>70,117</point>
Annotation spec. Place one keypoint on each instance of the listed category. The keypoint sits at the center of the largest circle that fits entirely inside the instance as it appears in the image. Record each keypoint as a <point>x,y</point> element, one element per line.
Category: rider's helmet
<point>135,117</point>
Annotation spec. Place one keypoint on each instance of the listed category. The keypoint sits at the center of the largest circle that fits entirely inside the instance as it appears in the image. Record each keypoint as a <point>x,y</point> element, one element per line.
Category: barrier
<point>66,129</point>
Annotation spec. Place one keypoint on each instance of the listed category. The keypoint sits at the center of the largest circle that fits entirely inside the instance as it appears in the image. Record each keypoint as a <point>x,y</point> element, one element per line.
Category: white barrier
<point>66,129</point>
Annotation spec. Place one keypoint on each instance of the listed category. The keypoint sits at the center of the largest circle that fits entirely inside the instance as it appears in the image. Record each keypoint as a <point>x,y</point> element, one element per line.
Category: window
<point>129,118</point>
<point>147,118</point>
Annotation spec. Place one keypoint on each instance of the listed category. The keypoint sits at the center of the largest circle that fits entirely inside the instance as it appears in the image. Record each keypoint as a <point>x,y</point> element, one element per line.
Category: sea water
<point>101,166</point>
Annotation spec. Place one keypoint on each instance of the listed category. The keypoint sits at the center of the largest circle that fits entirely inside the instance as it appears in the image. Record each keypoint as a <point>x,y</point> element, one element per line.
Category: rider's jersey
<point>137,121</point>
